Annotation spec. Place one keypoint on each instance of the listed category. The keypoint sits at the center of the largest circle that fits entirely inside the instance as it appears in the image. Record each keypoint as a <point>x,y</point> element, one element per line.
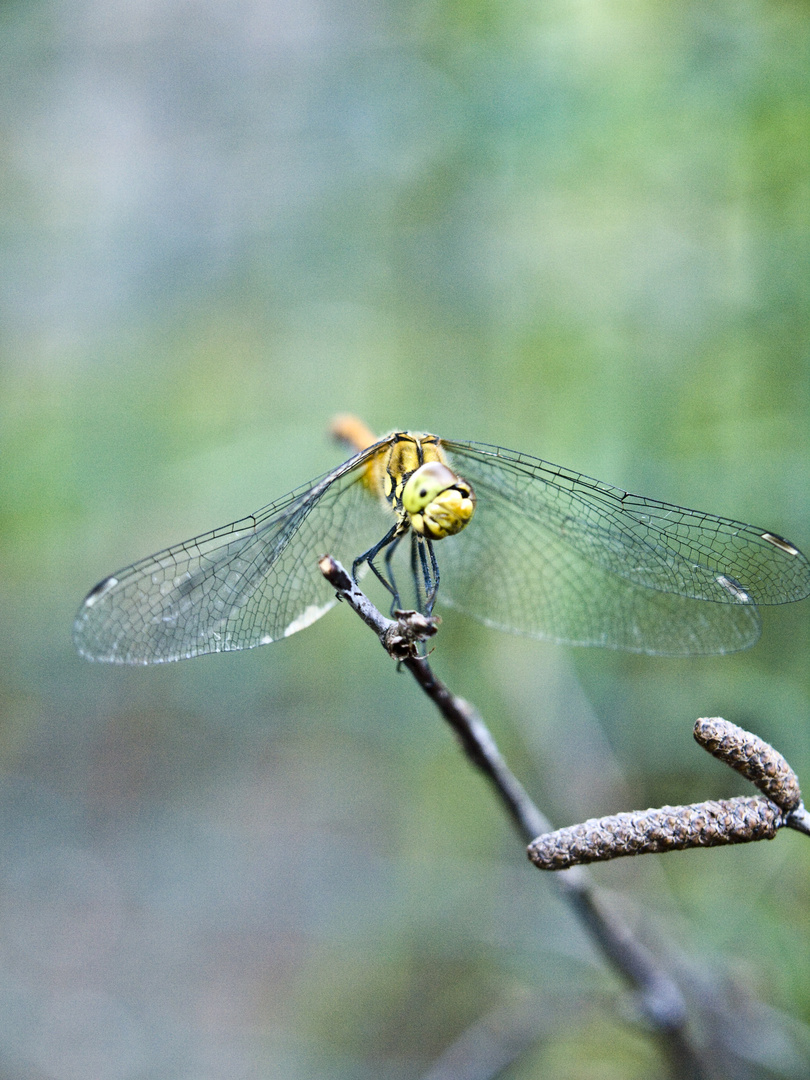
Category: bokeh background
<point>577,229</point>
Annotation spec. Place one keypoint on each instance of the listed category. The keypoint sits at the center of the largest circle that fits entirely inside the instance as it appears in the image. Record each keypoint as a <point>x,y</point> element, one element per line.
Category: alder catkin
<point>751,756</point>
<point>667,828</point>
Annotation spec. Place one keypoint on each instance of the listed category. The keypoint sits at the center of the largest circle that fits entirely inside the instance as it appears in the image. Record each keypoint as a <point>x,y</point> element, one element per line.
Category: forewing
<point>556,555</point>
<point>236,587</point>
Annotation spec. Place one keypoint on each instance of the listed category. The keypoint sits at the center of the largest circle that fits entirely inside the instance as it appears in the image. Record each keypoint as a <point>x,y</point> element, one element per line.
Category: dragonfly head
<point>438,502</point>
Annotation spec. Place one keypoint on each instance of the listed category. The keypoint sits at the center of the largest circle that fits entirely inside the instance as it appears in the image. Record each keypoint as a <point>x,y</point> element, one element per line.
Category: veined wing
<point>557,555</point>
<point>238,586</point>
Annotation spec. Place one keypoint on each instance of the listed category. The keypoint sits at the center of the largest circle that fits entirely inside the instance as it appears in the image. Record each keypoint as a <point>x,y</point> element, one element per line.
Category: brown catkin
<point>753,757</point>
<point>668,828</point>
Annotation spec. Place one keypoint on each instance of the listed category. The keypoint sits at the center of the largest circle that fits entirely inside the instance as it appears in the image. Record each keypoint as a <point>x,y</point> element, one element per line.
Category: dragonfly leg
<point>430,599</point>
<point>425,570</point>
<point>389,541</point>
<point>396,603</point>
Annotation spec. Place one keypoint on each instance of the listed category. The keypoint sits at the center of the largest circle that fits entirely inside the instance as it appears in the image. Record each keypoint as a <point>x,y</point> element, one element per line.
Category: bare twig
<point>400,638</point>
<point>799,819</point>
<point>657,995</point>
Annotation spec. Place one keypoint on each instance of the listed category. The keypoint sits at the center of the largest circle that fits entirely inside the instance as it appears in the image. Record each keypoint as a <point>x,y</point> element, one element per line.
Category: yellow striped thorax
<point>410,472</point>
<point>412,475</point>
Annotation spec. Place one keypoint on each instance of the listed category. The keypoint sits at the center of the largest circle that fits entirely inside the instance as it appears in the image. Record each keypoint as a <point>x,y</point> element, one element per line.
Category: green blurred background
<point>580,230</point>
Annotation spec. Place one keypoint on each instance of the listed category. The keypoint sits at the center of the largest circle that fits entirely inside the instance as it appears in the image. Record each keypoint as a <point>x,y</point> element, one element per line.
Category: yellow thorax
<point>411,473</point>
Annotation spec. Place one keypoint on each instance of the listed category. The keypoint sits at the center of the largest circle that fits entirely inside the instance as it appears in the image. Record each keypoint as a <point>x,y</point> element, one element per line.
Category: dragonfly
<point>514,541</point>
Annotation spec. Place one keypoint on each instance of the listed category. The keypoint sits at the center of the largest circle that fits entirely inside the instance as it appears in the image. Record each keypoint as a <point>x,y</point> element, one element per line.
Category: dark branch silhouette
<point>657,995</point>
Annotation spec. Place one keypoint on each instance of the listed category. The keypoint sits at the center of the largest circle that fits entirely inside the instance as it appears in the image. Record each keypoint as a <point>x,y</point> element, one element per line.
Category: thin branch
<point>799,819</point>
<point>401,639</point>
<point>657,995</point>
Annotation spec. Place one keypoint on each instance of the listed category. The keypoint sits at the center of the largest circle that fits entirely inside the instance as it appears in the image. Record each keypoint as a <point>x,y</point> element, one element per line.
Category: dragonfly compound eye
<point>438,502</point>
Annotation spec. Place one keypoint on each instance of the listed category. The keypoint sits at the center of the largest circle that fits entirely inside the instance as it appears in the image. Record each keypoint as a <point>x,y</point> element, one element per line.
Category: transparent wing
<point>556,555</point>
<point>242,585</point>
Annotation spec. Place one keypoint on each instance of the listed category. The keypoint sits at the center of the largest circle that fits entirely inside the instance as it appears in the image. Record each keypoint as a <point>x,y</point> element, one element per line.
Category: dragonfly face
<point>438,502</point>
<point>536,550</point>
<point>412,475</point>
